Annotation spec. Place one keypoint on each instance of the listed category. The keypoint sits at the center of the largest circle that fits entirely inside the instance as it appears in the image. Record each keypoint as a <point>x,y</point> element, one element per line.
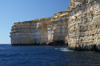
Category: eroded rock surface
<point>79,26</point>
<point>84,24</point>
<point>50,30</point>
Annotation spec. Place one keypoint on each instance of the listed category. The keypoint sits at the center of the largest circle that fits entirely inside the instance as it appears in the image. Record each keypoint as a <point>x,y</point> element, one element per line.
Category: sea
<point>46,56</point>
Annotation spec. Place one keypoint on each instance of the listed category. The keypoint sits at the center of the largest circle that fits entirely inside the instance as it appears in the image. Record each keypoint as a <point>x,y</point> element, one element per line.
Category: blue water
<point>46,56</point>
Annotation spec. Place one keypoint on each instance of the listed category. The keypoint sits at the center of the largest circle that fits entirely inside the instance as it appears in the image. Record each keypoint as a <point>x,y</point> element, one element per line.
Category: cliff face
<point>50,30</point>
<point>79,26</point>
<point>84,24</point>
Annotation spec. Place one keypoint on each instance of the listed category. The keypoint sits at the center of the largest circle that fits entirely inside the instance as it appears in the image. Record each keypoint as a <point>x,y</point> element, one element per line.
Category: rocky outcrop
<point>84,24</point>
<point>52,30</point>
<point>79,26</point>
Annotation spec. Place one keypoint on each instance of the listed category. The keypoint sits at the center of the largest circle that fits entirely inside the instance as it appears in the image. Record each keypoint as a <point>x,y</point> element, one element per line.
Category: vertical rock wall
<point>21,33</point>
<point>83,24</point>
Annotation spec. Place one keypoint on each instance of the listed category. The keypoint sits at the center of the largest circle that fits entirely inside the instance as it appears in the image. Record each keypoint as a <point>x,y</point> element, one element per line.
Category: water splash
<point>63,49</point>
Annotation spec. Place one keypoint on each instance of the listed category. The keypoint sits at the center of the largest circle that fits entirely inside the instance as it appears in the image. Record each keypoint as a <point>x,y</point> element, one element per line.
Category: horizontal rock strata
<point>79,26</point>
<point>52,30</point>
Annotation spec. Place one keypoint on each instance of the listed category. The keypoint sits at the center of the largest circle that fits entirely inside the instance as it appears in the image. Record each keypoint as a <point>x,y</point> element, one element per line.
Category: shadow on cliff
<point>55,43</point>
<point>58,43</point>
<point>86,48</point>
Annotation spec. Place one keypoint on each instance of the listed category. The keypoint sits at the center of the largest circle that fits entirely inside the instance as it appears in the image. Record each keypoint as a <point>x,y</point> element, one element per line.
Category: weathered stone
<point>83,25</point>
<point>41,31</point>
<point>78,26</point>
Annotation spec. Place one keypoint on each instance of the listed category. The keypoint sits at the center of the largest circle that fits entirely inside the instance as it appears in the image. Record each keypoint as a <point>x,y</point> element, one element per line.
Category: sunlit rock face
<point>84,24</point>
<point>79,26</point>
<point>48,31</point>
<point>21,33</point>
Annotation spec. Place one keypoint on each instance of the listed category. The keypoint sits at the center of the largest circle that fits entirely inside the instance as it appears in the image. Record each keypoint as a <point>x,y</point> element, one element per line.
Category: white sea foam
<point>63,49</point>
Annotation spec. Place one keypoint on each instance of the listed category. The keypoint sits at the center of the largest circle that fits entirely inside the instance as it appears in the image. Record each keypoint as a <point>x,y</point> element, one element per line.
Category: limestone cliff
<point>50,30</point>
<point>84,24</point>
<point>79,26</point>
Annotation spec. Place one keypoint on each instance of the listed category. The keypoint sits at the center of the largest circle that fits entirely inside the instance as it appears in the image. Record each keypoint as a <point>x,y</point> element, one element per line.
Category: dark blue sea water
<point>46,56</point>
